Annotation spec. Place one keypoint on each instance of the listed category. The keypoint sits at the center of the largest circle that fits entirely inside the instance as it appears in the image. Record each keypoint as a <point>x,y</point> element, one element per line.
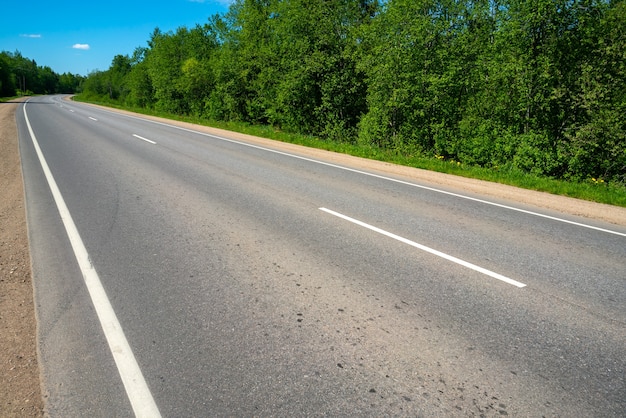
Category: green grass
<point>612,194</point>
<point>6,99</point>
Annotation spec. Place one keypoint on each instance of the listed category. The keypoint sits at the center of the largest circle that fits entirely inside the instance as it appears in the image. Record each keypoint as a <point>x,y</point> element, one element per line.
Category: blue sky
<point>83,36</point>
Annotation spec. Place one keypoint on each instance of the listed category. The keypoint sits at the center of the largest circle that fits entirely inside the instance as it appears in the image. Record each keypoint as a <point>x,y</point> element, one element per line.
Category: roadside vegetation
<point>530,93</point>
<point>594,190</point>
<point>21,76</point>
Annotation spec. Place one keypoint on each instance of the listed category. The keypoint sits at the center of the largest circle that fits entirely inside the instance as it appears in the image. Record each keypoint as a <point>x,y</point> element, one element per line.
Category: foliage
<point>20,75</point>
<point>535,86</point>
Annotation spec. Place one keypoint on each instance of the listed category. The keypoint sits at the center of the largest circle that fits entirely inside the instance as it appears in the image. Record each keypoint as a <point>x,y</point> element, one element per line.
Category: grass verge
<point>592,190</point>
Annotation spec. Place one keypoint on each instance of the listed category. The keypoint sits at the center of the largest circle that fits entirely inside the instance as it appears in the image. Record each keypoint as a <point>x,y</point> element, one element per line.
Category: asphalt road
<point>239,280</point>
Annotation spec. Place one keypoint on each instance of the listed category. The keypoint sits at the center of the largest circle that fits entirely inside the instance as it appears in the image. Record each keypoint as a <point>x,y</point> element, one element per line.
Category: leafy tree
<point>138,81</point>
<point>177,67</point>
<point>96,86</point>
<point>7,76</point>
<point>164,69</point>
<point>18,73</point>
<point>116,77</point>
<point>400,61</point>
<point>48,80</point>
<point>596,137</point>
<point>537,85</point>
<point>68,83</point>
<point>319,90</point>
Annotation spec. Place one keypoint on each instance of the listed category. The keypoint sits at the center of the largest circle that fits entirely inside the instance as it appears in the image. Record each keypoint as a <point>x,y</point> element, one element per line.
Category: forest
<point>22,76</point>
<point>534,85</point>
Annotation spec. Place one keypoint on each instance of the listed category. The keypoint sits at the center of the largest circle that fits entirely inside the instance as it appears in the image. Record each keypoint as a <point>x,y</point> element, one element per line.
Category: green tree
<point>177,65</point>
<point>138,82</point>
<point>96,86</point>
<point>401,61</point>
<point>537,85</point>
<point>163,64</point>
<point>69,83</point>
<point>48,80</point>
<point>320,90</point>
<point>116,77</point>
<point>26,73</point>
<point>7,76</point>
<point>595,145</point>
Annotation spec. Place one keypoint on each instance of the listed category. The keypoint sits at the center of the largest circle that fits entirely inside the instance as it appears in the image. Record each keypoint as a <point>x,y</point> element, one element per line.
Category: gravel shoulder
<point>20,393</point>
<point>20,389</point>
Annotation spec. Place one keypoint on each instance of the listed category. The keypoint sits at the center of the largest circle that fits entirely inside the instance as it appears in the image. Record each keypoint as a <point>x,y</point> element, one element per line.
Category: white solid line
<point>427,249</point>
<point>144,139</point>
<point>93,118</point>
<point>136,387</point>
<point>432,189</point>
<point>365,173</point>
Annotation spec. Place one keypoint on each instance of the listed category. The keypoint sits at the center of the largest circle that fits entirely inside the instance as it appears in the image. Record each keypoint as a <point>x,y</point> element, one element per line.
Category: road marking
<point>93,118</point>
<point>136,387</point>
<point>144,139</point>
<point>365,173</point>
<point>427,249</point>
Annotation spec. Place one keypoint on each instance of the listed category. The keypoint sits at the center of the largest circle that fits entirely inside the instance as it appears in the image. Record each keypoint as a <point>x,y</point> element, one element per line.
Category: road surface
<point>183,274</point>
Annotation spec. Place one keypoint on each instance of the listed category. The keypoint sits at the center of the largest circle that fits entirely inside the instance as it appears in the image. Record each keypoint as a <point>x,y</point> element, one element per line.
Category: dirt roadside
<point>20,393</point>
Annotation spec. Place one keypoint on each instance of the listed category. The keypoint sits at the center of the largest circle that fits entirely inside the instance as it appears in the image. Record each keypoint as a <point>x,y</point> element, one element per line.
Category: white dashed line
<point>427,249</point>
<point>144,139</point>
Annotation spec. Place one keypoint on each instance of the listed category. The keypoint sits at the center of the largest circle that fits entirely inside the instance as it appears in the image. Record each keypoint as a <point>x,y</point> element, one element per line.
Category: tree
<point>116,77</point>
<point>7,76</point>
<point>138,82</point>
<point>96,86</point>
<point>320,90</point>
<point>400,60</point>
<point>69,83</point>
<point>535,85</point>
<point>18,73</point>
<point>48,80</point>
<point>177,67</point>
<point>595,145</point>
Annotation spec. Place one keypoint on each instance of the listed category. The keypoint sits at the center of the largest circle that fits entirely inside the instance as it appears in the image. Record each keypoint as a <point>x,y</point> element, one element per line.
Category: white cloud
<point>84,47</point>
<point>30,35</point>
